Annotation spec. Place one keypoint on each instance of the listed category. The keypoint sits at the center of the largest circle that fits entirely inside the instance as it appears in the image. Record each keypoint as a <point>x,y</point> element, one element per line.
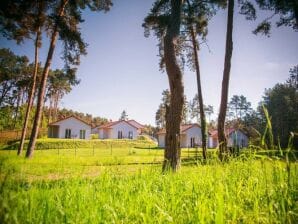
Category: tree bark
<point>42,88</point>
<point>174,111</point>
<point>225,84</point>
<point>200,95</point>
<point>17,108</point>
<point>31,92</point>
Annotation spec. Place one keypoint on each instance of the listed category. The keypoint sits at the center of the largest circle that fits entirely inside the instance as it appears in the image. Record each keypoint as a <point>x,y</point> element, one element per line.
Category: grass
<point>126,186</point>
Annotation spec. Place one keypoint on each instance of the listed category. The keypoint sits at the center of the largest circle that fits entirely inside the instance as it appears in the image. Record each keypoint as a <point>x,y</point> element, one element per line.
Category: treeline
<point>8,120</point>
<point>15,83</point>
<point>281,101</point>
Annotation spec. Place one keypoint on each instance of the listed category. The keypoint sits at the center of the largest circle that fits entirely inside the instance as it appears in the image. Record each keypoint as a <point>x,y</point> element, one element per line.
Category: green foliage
<point>195,14</point>
<point>287,10</point>
<point>239,107</point>
<point>282,102</point>
<point>123,116</point>
<point>94,136</point>
<point>13,76</point>
<point>160,115</point>
<point>268,130</point>
<point>53,143</point>
<point>63,188</point>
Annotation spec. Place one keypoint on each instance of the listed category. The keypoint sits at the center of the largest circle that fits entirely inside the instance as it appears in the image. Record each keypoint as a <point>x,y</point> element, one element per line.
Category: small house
<point>120,129</point>
<point>235,138</point>
<point>69,127</point>
<point>213,139</point>
<point>190,136</point>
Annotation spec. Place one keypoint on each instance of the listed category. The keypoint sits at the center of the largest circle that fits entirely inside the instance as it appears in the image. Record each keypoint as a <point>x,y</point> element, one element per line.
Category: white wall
<point>193,132</point>
<point>237,138</point>
<point>75,126</point>
<point>211,144</point>
<point>161,140</point>
<point>104,133</point>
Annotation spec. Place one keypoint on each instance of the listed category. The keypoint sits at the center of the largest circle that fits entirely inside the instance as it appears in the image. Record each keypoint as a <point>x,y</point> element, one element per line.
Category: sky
<point>121,70</point>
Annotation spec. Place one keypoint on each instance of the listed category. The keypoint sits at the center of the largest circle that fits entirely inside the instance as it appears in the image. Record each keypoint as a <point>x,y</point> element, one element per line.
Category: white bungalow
<point>69,127</point>
<point>120,129</point>
<point>235,138</point>
<point>190,136</point>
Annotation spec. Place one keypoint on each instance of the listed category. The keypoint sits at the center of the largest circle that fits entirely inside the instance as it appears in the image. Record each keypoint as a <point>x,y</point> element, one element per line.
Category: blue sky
<point>121,69</point>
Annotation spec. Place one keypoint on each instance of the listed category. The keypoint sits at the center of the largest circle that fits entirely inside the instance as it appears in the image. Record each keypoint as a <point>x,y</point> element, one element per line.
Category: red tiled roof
<point>228,131</point>
<point>110,124</point>
<point>136,124</point>
<point>213,133</point>
<point>183,128</point>
<point>71,116</point>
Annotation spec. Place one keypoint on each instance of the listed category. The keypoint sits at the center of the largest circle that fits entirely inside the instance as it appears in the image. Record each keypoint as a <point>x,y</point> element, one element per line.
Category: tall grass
<point>247,189</point>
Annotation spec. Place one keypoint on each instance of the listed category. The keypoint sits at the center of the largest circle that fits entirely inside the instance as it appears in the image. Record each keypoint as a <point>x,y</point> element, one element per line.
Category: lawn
<point>125,185</point>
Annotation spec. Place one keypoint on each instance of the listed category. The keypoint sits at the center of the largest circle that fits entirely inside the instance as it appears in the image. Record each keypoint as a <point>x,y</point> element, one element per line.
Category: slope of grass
<point>68,188</point>
<point>56,143</point>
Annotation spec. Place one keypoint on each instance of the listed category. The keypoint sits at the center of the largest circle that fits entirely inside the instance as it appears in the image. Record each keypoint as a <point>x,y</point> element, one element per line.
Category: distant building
<point>190,136</point>
<point>130,129</point>
<point>235,138</point>
<point>213,139</point>
<point>69,127</point>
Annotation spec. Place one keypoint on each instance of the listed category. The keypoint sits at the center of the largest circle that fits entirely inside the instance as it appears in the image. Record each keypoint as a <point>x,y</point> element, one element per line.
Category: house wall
<point>161,139</point>
<point>104,133</point>
<point>193,132</point>
<point>75,126</point>
<point>237,138</point>
<point>112,133</point>
<point>95,130</point>
<point>212,142</point>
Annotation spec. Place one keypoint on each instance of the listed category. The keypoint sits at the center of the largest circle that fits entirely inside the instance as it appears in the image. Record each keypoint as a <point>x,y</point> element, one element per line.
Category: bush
<point>94,136</point>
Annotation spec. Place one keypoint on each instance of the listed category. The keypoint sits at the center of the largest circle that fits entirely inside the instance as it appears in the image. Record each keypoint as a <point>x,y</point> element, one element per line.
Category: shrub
<point>94,136</point>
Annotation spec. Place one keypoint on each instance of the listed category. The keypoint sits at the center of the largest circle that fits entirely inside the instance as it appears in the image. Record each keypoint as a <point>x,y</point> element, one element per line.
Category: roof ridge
<point>65,118</point>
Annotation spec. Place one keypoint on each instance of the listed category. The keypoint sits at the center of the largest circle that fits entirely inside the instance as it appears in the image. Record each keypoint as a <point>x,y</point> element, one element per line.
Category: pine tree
<point>66,18</point>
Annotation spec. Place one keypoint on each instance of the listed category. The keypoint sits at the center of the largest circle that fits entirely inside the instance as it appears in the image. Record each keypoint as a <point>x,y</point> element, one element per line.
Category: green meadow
<point>125,185</point>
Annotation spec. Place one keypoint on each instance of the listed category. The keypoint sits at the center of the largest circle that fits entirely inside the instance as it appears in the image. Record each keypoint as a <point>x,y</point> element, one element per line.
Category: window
<point>67,133</point>
<point>130,135</point>
<point>82,134</point>
<point>119,134</point>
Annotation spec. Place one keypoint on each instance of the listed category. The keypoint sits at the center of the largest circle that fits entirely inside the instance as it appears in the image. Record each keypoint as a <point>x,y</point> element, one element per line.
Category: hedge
<point>54,143</point>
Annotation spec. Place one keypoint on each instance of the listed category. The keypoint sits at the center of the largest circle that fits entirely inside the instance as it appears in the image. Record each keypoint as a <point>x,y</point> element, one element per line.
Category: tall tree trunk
<point>56,101</point>
<point>225,84</point>
<point>174,111</point>
<point>31,92</point>
<point>50,109</point>
<point>42,88</point>
<point>200,95</point>
<point>17,108</point>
